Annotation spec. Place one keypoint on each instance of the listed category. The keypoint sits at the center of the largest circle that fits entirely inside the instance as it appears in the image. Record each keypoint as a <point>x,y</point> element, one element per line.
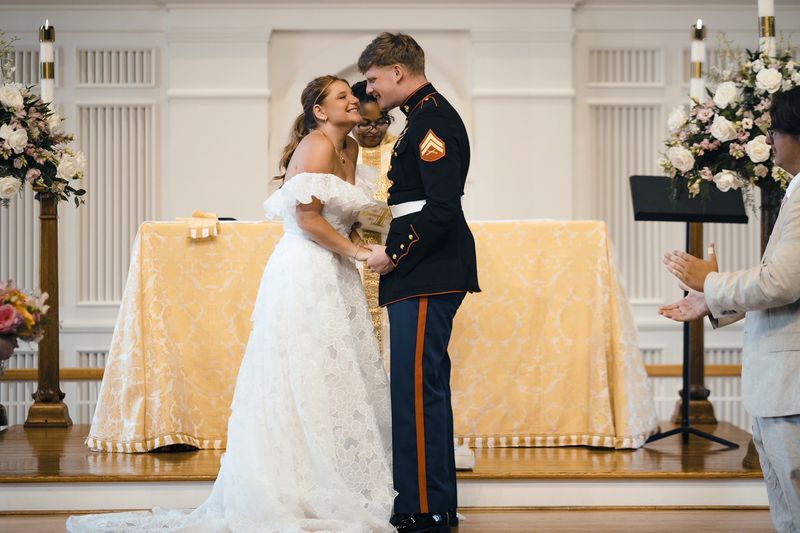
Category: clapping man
<point>769,296</point>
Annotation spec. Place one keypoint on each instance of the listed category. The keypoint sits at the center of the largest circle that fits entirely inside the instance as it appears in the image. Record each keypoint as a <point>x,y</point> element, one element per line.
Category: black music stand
<point>653,201</point>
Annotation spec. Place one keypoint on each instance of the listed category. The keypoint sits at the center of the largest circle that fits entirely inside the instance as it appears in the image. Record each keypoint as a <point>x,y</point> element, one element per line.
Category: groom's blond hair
<point>393,49</point>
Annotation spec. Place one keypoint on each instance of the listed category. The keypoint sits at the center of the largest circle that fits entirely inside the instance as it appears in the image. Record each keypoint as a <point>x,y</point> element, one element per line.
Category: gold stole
<point>377,158</point>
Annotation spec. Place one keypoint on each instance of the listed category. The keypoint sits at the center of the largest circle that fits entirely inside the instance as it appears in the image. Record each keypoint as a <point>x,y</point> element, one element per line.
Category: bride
<point>309,433</point>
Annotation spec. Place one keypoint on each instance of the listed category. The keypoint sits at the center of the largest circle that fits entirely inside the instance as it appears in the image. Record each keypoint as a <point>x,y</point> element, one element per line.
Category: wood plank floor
<point>59,455</point>
<point>553,521</point>
<point>667,458</point>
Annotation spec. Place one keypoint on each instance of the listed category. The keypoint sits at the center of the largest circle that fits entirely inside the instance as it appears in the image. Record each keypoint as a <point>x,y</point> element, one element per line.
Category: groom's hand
<point>379,261</point>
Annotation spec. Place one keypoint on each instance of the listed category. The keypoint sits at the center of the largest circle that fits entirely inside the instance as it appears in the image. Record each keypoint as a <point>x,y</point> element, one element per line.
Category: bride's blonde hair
<point>314,93</point>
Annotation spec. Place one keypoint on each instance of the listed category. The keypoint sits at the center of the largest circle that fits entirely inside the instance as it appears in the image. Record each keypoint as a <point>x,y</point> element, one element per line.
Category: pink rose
<point>33,174</point>
<point>9,319</point>
<point>705,114</point>
<point>706,174</point>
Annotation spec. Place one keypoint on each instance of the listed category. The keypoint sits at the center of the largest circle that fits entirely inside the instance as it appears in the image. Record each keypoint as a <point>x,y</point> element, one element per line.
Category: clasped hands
<point>379,261</point>
<point>375,256</point>
<point>691,273</point>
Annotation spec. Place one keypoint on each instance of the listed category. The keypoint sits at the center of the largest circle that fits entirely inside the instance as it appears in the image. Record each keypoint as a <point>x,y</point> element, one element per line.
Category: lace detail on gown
<point>309,436</point>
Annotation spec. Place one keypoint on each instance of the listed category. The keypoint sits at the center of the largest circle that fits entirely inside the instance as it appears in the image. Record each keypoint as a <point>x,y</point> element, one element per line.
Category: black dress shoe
<point>421,523</point>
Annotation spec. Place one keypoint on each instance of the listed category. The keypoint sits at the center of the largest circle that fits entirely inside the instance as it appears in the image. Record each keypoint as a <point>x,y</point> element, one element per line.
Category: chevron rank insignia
<point>431,148</point>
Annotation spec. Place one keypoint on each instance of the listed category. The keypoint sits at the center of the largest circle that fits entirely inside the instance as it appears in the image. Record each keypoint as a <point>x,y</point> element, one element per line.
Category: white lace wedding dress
<point>309,434</point>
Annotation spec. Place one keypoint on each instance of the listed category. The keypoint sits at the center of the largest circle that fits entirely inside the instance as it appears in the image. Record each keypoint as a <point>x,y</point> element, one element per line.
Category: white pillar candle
<point>47,37</point>
<point>697,89</point>
<point>767,43</point>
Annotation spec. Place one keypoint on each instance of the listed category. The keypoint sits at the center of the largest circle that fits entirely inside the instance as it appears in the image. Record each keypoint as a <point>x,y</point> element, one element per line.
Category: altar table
<point>546,355</point>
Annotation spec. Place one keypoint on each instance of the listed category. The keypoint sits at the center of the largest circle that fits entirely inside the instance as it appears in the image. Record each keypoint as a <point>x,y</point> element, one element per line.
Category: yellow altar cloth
<point>545,356</point>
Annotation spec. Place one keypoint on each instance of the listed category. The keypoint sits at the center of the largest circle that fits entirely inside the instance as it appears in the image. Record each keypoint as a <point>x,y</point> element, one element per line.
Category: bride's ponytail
<point>314,93</point>
<point>299,130</point>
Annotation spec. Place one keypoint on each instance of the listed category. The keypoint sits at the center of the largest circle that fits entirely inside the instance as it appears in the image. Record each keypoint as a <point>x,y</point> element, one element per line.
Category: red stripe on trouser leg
<point>419,404</point>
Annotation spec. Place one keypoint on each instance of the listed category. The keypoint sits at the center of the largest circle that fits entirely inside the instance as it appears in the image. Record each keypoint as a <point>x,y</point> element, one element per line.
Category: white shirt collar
<point>795,183</point>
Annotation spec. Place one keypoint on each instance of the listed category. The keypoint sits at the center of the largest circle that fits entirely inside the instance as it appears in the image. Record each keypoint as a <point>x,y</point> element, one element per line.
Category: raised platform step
<point>530,521</point>
<point>51,469</point>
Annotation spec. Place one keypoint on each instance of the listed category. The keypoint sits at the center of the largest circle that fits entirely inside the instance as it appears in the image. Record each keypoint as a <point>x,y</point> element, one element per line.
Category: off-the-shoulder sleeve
<point>327,188</point>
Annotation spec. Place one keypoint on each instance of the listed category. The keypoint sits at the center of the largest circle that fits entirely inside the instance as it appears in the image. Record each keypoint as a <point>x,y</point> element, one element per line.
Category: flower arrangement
<point>723,142</point>
<point>20,316</point>
<point>33,144</point>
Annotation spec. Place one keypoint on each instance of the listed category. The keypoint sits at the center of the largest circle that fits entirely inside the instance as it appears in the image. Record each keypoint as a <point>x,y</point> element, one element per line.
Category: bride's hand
<point>362,254</point>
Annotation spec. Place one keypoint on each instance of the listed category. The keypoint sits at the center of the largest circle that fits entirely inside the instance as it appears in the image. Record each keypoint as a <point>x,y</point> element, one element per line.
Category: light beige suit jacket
<point>768,296</point>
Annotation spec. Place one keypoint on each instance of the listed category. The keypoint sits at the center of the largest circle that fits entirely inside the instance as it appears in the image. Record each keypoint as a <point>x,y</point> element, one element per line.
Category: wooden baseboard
<point>96,374</point>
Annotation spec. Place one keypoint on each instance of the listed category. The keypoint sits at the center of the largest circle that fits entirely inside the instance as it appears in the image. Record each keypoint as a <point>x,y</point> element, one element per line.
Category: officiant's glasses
<point>377,124</point>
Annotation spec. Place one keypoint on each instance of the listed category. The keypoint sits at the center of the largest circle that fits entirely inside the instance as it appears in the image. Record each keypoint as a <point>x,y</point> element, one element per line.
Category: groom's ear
<point>399,72</point>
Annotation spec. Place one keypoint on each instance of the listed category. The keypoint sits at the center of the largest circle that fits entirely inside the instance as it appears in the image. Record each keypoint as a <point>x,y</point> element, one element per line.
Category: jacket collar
<point>415,99</point>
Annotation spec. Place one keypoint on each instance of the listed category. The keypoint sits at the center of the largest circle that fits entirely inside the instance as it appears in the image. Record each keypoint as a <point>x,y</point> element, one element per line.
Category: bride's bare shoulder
<point>315,153</point>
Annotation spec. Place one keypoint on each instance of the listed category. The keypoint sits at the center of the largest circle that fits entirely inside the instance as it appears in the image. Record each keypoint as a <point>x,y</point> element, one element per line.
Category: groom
<point>426,267</point>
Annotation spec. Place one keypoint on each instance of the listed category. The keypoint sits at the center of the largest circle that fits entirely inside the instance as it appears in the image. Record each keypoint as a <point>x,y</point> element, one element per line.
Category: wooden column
<point>700,409</point>
<point>48,409</point>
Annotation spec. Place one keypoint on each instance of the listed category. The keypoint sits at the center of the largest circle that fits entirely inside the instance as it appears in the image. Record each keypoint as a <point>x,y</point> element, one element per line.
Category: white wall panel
<point>638,67</point>
<point>624,137</point>
<point>118,141</point>
<point>116,67</point>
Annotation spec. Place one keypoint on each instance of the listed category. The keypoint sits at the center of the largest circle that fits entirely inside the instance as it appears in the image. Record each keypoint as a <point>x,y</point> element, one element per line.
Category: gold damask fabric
<point>379,159</point>
<point>180,335</point>
<point>546,355</point>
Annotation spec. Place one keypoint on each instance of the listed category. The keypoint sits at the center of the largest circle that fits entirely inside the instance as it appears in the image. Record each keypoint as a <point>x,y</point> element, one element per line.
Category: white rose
<point>769,80</point>
<point>758,65</point>
<point>677,118</point>
<point>723,129</point>
<point>760,171</point>
<point>80,161</point>
<point>727,180</point>
<point>9,186</point>
<point>726,94</point>
<point>11,97</point>
<point>68,167</point>
<point>16,139</point>
<point>681,158</point>
<point>747,123</point>
<point>55,124</point>
<point>758,150</point>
